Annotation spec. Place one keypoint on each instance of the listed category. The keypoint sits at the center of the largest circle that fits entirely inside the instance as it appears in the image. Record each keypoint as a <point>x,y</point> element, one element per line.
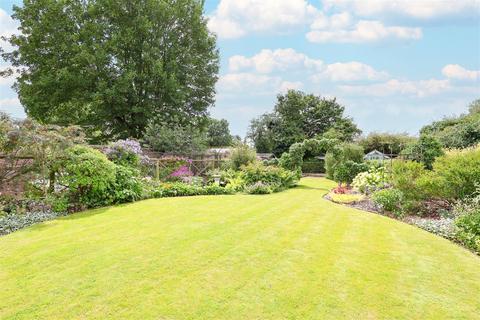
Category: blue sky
<point>394,64</point>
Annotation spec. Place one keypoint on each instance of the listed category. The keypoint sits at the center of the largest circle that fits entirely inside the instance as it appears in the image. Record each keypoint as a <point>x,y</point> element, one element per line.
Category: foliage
<point>388,143</point>
<point>346,171</point>
<point>277,178</point>
<point>389,200</point>
<point>58,202</point>
<point>374,179</point>
<point>175,138</point>
<point>261,133</point>
<point>13,145</point>
<point>298,116</point>
<point>457,172</point>
<point>127,186</point>
<point>340,154</point>
<point>126,153</point>
<point>113,65</point>
<point>457,132</point>
<point>218,133</point>
<point>242,155</point>
<point>180,189</point>
<point>88,175</point>
<point>425,150</point>
<point>443,227</point>
<point>259,188</point>
<point>12,222</point>
<point>31,147</point>
<point>405,177</point>
<point>293,160</point>
<point>232,180</point>
<point>467,221</point>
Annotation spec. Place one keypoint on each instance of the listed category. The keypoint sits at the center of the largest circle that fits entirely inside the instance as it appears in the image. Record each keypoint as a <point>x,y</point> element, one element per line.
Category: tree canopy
<point>298,116</point>
<point>113,65</point>
<point>218,133</point>
<point>388,143</point>
<point>457,132</point>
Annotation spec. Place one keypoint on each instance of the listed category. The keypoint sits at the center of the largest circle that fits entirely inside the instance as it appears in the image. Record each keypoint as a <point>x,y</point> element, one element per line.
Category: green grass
<point>290,255</point>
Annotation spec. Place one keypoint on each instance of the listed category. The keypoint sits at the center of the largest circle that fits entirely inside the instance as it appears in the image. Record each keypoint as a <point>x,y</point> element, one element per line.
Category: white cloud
<point>362,31</point>
<point>8,26</point>
<point>419,9</point>
<point>242,82</point>
<point>254,84</point>
<point>350,71</point>
<point>288,60</point>
<point>290,85</point>
<point>236,18</point>
<point>335,21</point>
<point>7,81</point>
<point>421,88</point>
<point>455,71</point>
<point>9,102</point>
<point>267,61</point>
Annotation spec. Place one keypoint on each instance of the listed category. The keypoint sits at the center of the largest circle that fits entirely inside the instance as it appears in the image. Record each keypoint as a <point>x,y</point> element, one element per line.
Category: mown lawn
<point>290,255</point>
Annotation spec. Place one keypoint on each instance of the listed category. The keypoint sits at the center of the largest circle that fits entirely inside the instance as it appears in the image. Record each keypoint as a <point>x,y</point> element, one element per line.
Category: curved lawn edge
<point>286,255</point>
<point>404,221</point>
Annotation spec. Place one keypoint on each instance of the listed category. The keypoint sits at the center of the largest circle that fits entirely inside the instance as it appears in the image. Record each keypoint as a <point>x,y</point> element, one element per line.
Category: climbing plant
<point>293,159</point>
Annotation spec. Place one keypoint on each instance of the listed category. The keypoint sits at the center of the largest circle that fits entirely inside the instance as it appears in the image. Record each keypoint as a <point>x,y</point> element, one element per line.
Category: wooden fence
<point>199,167</point>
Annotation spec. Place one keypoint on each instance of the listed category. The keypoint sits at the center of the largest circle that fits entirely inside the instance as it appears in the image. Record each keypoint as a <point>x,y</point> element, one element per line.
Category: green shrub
<point>346,171</point>
<point>88,175</point>
<point>277,178</point>
<point>425,150</point>
<point>342,154</point>
<point>127,186</point>
<point>457,172</point>
<point>389,200</point>
<point>259,188</point>
<point>242,155</point>
<point>181,189</point>
<point>467,222</point>
<point>374,179</point>
<point>405,177</point>
<point>213,189</point>
<point>232,180</point>
<point>58,202</point>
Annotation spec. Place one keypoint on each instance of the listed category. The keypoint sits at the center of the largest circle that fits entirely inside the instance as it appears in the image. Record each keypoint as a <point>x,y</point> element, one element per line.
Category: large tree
<point>113,65</point>
<point>298,116</point>
<point>218,133</point>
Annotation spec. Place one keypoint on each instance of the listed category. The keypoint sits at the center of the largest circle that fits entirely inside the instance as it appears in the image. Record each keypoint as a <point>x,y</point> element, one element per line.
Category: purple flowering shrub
<point>127,153</point>
<point>183,171</point>
<point>175,168</point>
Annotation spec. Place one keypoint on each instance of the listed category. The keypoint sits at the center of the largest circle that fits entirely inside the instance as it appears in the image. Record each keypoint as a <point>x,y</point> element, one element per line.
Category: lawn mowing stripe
<point>282,278</point>
<point>236,244</point>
